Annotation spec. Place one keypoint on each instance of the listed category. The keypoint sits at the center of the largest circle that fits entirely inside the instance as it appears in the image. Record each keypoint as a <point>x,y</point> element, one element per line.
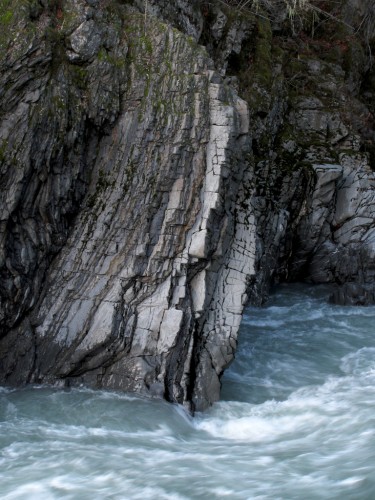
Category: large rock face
<point>123,222</point>
<point>143,201</point>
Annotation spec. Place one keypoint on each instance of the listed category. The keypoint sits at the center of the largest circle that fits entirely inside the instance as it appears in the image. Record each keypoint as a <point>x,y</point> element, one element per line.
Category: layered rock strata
<point>147,288</point>
<point>143,202</point>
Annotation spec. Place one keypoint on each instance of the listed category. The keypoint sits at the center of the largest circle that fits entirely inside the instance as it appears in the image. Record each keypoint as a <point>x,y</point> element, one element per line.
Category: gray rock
<point>145,285</point>
<point>142,202</point>
<point>84,42</point>
<point>184,14</point>
<point>353,294</point>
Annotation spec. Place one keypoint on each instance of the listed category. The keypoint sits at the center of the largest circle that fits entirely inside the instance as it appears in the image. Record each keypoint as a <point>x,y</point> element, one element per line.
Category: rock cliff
<point>162,163</point>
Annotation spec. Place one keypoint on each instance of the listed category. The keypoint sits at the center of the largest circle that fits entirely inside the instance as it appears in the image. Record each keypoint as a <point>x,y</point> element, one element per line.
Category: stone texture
<point>143,293</point>
<point>144,202</point>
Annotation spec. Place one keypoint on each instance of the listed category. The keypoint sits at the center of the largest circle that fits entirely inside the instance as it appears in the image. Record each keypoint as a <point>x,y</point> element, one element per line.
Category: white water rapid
<point>296,421</point>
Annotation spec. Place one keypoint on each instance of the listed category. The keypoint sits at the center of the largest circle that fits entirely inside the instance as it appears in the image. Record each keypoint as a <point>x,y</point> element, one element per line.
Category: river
<point>296,421</point>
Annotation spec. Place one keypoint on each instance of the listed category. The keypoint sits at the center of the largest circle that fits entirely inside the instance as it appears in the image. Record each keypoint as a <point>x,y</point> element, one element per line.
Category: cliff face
<point>150,186</point>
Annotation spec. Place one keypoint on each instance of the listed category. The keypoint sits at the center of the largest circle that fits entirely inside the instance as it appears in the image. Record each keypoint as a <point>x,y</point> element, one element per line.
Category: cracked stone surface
<point>147,288</point>
<point>143,202</point>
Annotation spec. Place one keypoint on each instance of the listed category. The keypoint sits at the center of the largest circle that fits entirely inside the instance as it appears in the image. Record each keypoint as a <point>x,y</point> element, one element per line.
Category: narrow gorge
<point>162,165</point>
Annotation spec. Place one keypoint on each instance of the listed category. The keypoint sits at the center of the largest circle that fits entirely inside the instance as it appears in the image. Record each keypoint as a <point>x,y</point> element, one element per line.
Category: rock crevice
<point>152,186</point>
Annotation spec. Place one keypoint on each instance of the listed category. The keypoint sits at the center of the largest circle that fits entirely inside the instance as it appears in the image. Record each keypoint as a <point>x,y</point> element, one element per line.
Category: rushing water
<point>296,421</point>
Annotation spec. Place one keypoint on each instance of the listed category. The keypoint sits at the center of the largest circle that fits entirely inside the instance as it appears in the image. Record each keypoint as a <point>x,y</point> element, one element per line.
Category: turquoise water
<point>296,420</point>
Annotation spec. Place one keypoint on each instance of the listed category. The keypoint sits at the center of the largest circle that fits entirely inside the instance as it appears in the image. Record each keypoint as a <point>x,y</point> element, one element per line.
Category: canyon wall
<point>160,169</point>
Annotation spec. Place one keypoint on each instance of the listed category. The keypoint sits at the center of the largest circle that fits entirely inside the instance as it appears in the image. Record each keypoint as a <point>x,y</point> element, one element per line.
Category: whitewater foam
<point>296,421</point>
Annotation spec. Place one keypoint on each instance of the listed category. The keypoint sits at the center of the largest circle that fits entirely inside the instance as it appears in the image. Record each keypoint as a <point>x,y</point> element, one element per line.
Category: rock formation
<point>158,170</point>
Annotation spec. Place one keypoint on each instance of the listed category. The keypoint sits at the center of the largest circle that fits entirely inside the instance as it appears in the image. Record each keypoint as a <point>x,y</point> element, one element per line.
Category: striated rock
<point>336,233</point>
<point>146,294</point>
<point>185,15</point>
<point>151,186</point>
<point>84,42</point>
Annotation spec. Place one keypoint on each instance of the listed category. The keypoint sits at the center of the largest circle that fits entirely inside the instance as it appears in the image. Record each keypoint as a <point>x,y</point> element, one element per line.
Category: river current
<point>296,421</point>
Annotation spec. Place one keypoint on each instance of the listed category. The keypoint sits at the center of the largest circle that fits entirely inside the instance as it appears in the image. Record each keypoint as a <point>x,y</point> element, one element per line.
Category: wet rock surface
<point>151,186</point>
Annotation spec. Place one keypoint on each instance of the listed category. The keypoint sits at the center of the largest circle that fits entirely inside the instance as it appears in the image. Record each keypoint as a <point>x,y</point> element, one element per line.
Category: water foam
<point>296,420</point>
